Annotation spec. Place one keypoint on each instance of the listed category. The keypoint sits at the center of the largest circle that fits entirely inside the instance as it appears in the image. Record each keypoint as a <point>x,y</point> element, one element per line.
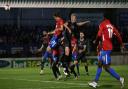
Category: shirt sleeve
<point>100,31</point>
<point>117,34</point>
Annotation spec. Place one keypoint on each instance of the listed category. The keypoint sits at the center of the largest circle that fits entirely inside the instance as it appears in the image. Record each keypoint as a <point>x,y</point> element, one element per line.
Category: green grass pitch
<point>29,78</point>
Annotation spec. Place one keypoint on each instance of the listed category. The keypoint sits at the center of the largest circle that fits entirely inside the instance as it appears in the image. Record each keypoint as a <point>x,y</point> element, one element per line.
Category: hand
<point>38,50</point>
<point>80,51</point>
<point>94,42</point>
<point>122,49</point>
<point>48,33</point>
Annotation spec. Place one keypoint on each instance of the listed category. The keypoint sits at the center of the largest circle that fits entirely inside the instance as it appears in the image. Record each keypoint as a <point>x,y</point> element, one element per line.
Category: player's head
<point>73,35</point>
<point>107,15</point>
<point>81,35</point>
<point>56,16</point>
<point>73,17</point>
<point>44,33</point>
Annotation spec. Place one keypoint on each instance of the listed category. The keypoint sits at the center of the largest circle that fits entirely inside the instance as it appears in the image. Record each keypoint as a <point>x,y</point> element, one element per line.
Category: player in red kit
<point>54,44</point>
<point>106,33</point>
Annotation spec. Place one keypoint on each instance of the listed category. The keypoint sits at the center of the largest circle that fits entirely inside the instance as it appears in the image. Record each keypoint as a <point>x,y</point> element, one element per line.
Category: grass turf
<point>29,78</point>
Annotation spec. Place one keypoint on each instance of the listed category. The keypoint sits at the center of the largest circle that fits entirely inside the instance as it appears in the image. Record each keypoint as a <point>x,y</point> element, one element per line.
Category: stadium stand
<point>67,3</point>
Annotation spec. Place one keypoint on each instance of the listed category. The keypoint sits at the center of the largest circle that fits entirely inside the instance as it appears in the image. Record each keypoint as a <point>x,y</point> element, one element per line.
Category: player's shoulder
<point>61,21</point>
<point>105,21</point>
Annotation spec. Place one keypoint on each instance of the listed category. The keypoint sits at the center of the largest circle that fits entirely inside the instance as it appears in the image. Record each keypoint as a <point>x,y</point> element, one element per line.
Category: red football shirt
<point>59,23</point>
<point>106,32</point>
<point>73,42</point>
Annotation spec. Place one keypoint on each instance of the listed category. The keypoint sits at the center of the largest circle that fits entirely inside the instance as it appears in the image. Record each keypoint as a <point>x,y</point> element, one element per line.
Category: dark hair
<point>81,32</point>
<point>107,15</point>
<point>73,14</point>
<point>57,14</point>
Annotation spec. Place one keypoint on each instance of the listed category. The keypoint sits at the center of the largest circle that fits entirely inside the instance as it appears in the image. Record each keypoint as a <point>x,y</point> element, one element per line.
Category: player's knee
<point>75,62</point>
<point>106,67</point>
<point>67,51</point>
<point>48,49</point>
<point>99,64</point>
<point>72,68</point>
<point>53,64</point>
<point>86,64</point>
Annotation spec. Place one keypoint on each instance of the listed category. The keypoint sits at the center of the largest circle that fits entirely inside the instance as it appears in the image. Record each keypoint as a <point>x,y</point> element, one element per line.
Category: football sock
<point>99,70</point>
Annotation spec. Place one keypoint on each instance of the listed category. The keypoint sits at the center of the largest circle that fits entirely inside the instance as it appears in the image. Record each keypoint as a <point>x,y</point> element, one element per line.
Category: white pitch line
<point>68,87</point>
<point>77,84</point>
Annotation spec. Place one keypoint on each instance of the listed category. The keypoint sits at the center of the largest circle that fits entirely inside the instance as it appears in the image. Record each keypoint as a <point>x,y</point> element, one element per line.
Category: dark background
<point>21,28</point>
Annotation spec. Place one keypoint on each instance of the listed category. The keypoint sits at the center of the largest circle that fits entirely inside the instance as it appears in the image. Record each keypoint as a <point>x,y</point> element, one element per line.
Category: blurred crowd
<point>12,36</point>
<point>25,37</point>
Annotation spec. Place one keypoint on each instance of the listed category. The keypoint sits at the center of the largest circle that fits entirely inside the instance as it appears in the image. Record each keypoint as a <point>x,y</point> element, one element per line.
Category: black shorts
<point>67,39</point>
<point>82,57</point>
<point>67,43</point>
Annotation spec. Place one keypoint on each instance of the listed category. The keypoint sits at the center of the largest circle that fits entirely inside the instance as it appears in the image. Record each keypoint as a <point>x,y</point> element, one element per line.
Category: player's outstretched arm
<point>40,49</point>
<point>82,23</point>
<point>50,33</point>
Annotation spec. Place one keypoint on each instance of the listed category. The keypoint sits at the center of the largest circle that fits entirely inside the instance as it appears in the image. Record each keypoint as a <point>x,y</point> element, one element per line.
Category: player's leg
<point>72,66</point>
<point>110,70</point>
<point>99,71</point>
<point>50,59</point>
<point>86,67</point>
<point>86,64</point>
<point>42,64</point>
<point>65,68</point>
<point>84,60</point>
<point>44,58</point>
<point>55,62</point>
<point>66,59</point>
<point>77,66</point>
<point>54,69</point>
<point>94,83</point>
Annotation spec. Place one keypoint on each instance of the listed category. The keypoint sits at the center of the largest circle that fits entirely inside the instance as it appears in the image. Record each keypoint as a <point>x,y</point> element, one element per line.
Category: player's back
<point>107,30</point>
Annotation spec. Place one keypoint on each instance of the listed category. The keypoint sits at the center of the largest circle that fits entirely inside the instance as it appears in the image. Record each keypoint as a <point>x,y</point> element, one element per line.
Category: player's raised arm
<point>40,49</point>
<point>82,23</point>
<point>66,26</point>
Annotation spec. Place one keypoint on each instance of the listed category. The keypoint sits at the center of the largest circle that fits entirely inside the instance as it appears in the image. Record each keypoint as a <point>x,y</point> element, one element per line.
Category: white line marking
<point>74,84</point>
<point>77,84</point>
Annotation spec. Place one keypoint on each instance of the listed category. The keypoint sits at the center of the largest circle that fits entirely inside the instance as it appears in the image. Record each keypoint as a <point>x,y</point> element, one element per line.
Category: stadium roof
<point>65,3</point>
